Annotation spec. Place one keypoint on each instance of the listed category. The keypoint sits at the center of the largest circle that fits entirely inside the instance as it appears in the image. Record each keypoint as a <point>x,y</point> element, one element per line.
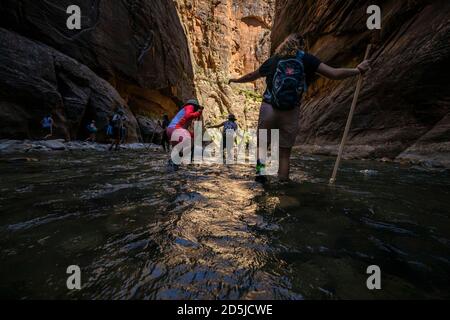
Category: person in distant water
<point>191,111</point>
<point>123,134</point>
<point>92,129</point>
<point>229,125</point>
<point>47,126</point>
<point>288,74</point>
<point>109,130</point>
<point>117,124</point>
<point>165,139</point>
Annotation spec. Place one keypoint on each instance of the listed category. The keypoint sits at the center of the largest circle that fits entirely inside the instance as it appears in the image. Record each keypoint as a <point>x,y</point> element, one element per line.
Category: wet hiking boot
<point>260,177</point>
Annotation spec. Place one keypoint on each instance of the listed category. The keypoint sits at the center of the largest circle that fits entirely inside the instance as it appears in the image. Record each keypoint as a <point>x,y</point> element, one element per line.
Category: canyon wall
<point>137,46</point>
<point>149,56</point>
<point>228,38</point>
<point>403,110</point>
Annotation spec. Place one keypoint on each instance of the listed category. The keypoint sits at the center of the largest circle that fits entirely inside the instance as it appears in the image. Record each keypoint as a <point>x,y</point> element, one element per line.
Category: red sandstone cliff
<point>227,39</point>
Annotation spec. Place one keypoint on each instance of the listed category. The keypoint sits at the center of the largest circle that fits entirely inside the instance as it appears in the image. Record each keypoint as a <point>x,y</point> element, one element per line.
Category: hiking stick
<point>153,134</point>
<point>349,120</point>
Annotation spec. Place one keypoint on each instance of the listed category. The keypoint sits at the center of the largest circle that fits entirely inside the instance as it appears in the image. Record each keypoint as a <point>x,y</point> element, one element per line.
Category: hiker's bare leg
<point>263,148</point>
<point>285,160</point>
<point>114,143</point>
<point>266,121</point>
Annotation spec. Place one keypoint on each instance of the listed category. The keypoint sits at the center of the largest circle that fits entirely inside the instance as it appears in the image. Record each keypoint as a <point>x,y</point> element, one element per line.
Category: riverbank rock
<point>54,144</point>
<point>27,146</point>
<point>403,110</point>
<point>150,129</point>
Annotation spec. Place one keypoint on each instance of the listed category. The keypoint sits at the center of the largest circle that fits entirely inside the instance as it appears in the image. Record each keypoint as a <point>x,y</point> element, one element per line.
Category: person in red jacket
<point>191,111</point>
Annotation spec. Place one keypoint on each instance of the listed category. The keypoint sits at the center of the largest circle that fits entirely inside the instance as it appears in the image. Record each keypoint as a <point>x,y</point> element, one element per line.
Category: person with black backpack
<point>288,74</point>
<point>117,122</point>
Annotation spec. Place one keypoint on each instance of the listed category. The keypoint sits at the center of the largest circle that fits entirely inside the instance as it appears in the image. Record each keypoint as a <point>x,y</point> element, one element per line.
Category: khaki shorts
<point>286,121</point>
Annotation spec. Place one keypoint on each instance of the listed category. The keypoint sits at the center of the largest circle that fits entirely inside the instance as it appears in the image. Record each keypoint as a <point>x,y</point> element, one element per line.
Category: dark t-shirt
<point>268,69</point>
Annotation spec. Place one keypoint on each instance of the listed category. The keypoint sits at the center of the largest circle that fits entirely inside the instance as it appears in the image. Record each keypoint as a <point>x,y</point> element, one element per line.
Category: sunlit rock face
<point>227,39</point>
<point>138,46</point>
<point>404,103</point>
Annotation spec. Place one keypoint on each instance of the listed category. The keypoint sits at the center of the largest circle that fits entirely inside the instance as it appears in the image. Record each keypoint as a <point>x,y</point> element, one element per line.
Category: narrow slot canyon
<point>139,226</point>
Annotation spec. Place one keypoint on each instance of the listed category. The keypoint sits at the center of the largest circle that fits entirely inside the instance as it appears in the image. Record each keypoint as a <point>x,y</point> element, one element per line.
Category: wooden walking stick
<point>349,121</point>
<point>154,131</point>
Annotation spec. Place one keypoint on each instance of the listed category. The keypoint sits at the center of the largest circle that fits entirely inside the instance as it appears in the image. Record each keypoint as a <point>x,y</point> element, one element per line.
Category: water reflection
<point>209,232</point>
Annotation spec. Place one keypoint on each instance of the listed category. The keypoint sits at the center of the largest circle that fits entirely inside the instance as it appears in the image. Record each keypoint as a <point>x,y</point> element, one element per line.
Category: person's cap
<point>232,117</point>
<point>194,102</point>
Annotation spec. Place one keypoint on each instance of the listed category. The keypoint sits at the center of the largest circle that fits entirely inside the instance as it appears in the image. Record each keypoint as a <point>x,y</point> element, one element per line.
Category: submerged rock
<point>368,172</point>
<point>19,160</point>
<point>54,144</point>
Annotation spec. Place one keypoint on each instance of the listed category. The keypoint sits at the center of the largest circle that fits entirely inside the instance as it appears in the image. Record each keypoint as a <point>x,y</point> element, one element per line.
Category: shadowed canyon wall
<point>137,46</point>
<point>228,38</point>
<point>403,110</point>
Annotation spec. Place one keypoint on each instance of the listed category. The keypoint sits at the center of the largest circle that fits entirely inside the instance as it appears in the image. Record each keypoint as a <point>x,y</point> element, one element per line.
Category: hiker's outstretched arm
<point>216,127</point>
<point>343,73</point>
<point>247,78</point>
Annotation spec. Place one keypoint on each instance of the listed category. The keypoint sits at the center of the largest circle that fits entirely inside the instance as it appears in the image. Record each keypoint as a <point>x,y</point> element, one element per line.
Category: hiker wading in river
<point>47,126</point>
<point>191,111</point>
<point>288,74</point>
<point>92,130</point>
<point>117,122</point>
<point>230,127</point>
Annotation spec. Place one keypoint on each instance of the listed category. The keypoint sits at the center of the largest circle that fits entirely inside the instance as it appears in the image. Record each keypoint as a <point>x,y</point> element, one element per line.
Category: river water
<point>210,232</point>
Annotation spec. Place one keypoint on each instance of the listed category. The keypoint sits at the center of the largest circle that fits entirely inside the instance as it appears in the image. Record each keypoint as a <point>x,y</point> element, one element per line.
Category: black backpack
<point>289,83</point>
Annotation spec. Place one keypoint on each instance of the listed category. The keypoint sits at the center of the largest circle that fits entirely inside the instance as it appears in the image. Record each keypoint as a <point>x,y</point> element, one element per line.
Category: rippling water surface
<point>210,232</point>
